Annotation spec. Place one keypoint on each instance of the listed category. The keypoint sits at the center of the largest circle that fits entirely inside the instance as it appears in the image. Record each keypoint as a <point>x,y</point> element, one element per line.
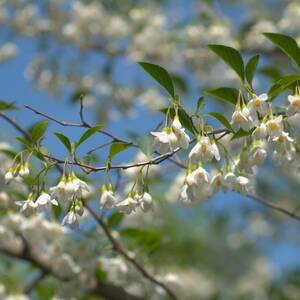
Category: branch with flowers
<point>222,159</point>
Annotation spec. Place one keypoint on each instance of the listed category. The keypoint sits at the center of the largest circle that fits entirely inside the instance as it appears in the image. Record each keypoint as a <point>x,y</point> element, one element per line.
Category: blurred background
<point>51,52</point>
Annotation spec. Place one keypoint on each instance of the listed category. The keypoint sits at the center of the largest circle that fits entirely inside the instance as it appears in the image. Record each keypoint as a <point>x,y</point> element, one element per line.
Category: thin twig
<point>119,248</point>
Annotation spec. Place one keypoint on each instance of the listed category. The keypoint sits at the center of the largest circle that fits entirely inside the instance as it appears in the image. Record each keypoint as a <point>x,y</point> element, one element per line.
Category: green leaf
<point>116,148</point>
<point>271,72</point>
<point>231,57</point>
<point>179,82</point>
<point>242,133</point>
<point>282,84</point>
<point>115,219</point>
<point>229,95</point>
<point>88,134</point>
<point>25,142</point>
<point>221,119</point>
<point>200,104</point>
<point>251,68</point>
<point>7,106</point>
<point>160,75</point>
<point>287,44</point>
<point>38,131</point>
<point>64,140</point>
<point>183,116</point>
<point>146,145</point>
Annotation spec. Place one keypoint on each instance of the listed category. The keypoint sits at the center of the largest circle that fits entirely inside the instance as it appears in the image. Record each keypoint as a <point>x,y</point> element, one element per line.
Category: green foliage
<point>65,140</point>
<point>251,68</point>
<point>231,57</point>
<point>282,84</point>
<point>221,119</point>
<point>148,240</point>
<point>88,134</point>
<point>115,219</point>
<point>116,148</point>
<point>7,106</point>
<point>38,131</point>
<point>287,44</point>
<point>200,104</point>
<point>161,76</point>
<point>226,94</point>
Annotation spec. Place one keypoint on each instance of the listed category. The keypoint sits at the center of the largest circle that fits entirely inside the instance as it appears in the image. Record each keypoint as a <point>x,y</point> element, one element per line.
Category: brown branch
<point>119,248</point>
<point>274,206</point>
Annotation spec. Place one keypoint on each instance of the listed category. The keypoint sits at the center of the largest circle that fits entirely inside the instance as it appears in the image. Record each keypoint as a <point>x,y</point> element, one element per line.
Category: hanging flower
<point>294,106</point>
<point>71,219</point>
<point>128,205</point>
<point>108,198</point>
<point>274,126</point>
<point>45,202</point>
<point>258,104</point>
<point>146,202</point>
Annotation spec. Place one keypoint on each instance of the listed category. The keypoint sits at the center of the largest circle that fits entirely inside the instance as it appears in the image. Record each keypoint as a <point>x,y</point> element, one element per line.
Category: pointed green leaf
<point>241,133</point>
<point>287,44</point>
<point>231,57</point>
<point>116,148</point>
<point>200,104</point>
<point>229,95</point>
<point>115,219</point>
<point>7,106</point>
<point>282,84</point>
<point>251,68</point>
<point>64,140</point>
<point>88,134</point>
<point>160,75</point>
<point>221,119</point>
<point>24,141</point>
<point>38,131</point>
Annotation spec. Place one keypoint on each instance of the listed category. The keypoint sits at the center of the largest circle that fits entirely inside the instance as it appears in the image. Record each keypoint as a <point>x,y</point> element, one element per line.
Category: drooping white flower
<point>243,185</point>
<point>274,126</point>
<point>281,142</point>
<point>45,202</point>
<point>258,155</point>
<point>10,176</point>
<point>71,219</point>
<point>77,186</point>
<point>176,125</point>
<point>230,179</point>
<point>165,139</point>
<point>258,104</point>
<point>204,151</point>
<point>108,198</point>
<point>294,105</point>
<point>260,132</point>
<point>28,206</point>
<point>24,170</point>
<point>60,191</point>
<point>241,120</point>
<point>183,140</point>
<point>217,182</point>
<point>128,205</point>
<point>146,202</point>
<point>197,177</point>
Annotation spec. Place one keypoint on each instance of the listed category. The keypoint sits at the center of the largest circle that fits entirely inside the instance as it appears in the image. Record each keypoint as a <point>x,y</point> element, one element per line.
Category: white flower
<point>107,198</point>
<point>243,185</point>
<point>78,186</point>
<point>274,126</point>
<point>146,202</point>
<point>71,219</point>
<point>11,176</point>
<point>281,142</point>
<point>166,139</point>
<point>230,179</point>
<point>44,201</point>
<point>197,177</point>
<point>258,104</point>
<point>294,104</point>
<point>176,125</point>
<point>24,170</point>
<point>258,155</point>
<point>183,140</point>
<point>217,183</point>
<point>204,151</point>
<point>241,119</point>
<point>260,132</point>
<point>28,206</point>
<point>60,190</point>
<point>127,206</point>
